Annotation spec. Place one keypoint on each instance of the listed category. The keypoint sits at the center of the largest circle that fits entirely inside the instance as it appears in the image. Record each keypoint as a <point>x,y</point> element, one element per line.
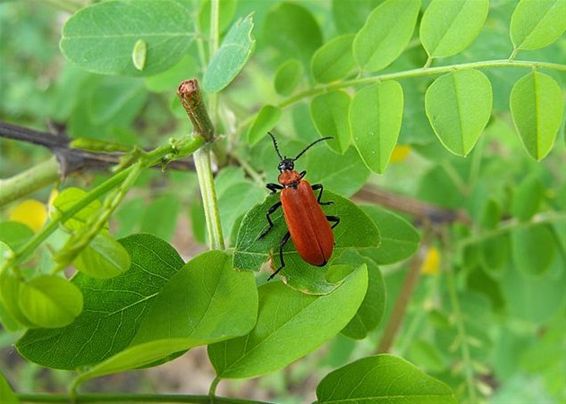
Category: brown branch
<point>400,307</point>
<point>423,211</point>
<point>71,159</point>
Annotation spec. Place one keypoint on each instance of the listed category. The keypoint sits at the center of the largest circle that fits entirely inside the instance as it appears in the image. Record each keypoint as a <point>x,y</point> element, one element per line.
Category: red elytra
<point>308,226</point>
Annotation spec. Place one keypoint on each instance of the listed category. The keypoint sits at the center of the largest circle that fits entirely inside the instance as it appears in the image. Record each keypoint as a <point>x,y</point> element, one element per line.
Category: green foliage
<point>458,106</point>
<point>231,57</point>
<point>387,79</point>
<point>300,324</point>
<point>50,301</point>
<point>447,28</point>
<point>376,113</point>
<point>334,60</point>
<point>354,231</point>
<point>537,107</point>
<point>113,309</point>
<point>382,377</point>
<point>386,33</point>
<point>266,120</point>
<point>330,115</point>
<point>7,396</point>
<point>288,76</point>
<point>102,37</point>
<point>537,23</point>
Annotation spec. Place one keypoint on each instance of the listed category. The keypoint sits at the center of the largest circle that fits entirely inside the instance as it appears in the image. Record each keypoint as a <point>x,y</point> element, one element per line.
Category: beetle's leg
<point>281,245</point>
<point>333,219</point>
<point>317,187</point>
<point>302,174</point>
<point>274,187</point>
<point>269,212</point>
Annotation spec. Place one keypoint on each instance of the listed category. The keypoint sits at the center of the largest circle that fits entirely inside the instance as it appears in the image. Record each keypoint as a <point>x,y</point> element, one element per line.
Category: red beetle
<point>309,227</point>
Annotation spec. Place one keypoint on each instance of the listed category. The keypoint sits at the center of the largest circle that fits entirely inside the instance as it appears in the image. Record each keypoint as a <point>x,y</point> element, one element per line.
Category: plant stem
<point>400,307</point>
<point>459,319</point>
<point>29,181</point>
<point>419,72</point>
<point>212,389</point>
<point>179,149</point>
<point>213,44</point>
<point>209,201</point>
<point>131,398</point>
<point>191,98</point>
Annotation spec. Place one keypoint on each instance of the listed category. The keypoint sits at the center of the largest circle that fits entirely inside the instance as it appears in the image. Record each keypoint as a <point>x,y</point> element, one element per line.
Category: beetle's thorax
<point>289,178</point>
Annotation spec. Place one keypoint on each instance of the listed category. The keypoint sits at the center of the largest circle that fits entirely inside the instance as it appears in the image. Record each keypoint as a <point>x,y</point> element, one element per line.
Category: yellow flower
<point>431,262</point>
<point>30,212</point>
<point>400,153</point>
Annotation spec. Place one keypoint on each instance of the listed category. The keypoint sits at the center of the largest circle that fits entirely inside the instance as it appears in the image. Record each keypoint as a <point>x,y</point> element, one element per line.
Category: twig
<point>72,159</point>
<point>424,211</point>
<point>398,313</point>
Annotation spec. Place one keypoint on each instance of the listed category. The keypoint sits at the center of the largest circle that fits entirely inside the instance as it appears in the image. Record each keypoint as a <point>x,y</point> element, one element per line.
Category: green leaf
<point>291,29</point>
<point>344,174</point>
<point>7,395</point>
<point>399,239</point>
<point>265,120</point>
<point>15,234</point>
<point>449,27</point>
<point>334,60</point>
<point>162,210</point>
<point>103,258</point>
<point>139,54</point>
<point>168,80</point>
<point>329,112</point>
<point>231,57</point>
<point>116,100</point>
<point>370,312</point>
<point>288,76</point>
<point>100,38</point>
<point>235,201</point>
<point>458,107</point>
<point>50,301</point>
<point>382,378</point>
<point>534,248</point>
<point>355,230</point>
<point>376,114</point>
<point>527,198</point>
<point>351,19</point>
<point>386,34</point>
<point>290,319</point>
<point>537,23</point>
<point>113,309</point>
<point>65,201</point>
<point>537,108</point>
<point>191,310</point>
<point>10,287</point>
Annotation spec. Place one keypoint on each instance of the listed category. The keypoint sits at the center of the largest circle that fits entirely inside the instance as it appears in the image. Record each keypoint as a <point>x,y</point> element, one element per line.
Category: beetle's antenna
<point>275,145</point>
<point>311,145</point>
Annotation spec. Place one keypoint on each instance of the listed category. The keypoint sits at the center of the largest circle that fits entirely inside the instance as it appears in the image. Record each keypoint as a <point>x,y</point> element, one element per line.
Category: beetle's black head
<point>286,164</point>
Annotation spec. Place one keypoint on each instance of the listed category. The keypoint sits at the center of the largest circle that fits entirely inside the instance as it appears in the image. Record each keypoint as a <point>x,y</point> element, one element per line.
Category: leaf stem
<point>30,180</point>
<point>132,398</point>
<point>212,389</point>
<point>175,149</point>
<point>419,72</point>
